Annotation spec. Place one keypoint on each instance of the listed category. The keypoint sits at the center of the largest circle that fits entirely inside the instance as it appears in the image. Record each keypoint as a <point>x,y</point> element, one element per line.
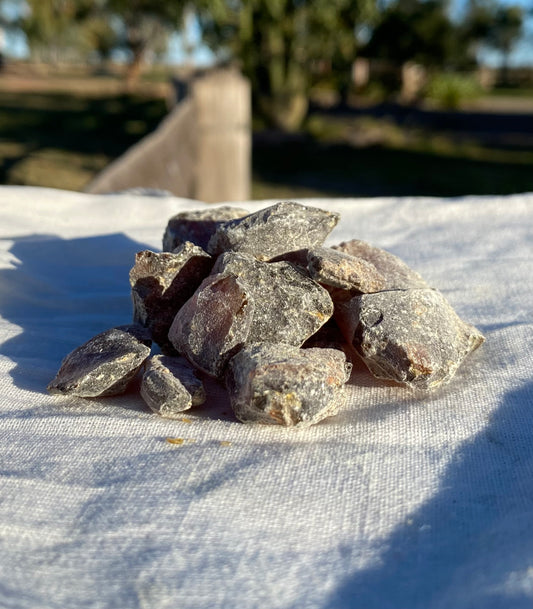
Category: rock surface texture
<point>161,283</point>
<point>413,337</point>
<point>170,386</point>
<point>273,231</point>
<point>397,275</point>
<point>214,324</point>
<point>289,306</point>
<point>197,226</point>
<point>341,271</point>
<point>104,365</point>
<point>276,384</point>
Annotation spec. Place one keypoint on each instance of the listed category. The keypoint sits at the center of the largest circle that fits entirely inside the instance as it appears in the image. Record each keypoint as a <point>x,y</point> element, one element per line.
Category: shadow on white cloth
<point>439,557</point>
<point>60,293</point>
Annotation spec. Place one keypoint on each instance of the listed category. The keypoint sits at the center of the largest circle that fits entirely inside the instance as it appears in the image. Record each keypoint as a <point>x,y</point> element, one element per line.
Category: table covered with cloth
<point>399,501</point>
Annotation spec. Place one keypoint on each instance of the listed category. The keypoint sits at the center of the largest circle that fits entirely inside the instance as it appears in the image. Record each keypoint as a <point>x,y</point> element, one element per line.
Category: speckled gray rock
<point>214,323</point>
<point>397,274</point>
<point>343,272</point>
<point>276,384</point>
<point>104,365</point>
<point>289,306</point>
<point>162,282</point>
<point>413,337</point>
<point>272,231</point>
<point>197,226</point>
<point>170,386</point>
<point>329,336</point>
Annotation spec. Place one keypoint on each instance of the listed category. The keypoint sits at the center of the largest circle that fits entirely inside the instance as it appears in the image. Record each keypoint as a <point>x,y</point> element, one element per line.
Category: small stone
<point>170,386</point>
<point>413,337</point>
<point>214,323</point>
<point>272,231</point>
<point>161,283</point>
<point>277,384</point>
<point>104,365</point>
<point>343,272</point>
<point>197,226</point>
<point>289,306</point>
<point>397,275</point>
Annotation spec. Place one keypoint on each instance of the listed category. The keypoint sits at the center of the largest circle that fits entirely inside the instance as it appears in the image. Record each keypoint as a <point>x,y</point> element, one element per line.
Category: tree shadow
<point>470,545</point>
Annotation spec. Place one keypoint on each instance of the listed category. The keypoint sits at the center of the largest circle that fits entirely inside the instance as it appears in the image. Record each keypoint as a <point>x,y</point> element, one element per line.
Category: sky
<point>15,45</point>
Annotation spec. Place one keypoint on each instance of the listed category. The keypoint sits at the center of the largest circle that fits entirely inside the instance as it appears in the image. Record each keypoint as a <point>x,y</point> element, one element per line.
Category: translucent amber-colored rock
<point>197,226</point>
<point>214,323</point>
<point>272,231</point>
<point>104,365</point>
<point>161,283</point>
<point>170,386</point>
<point>289,306</point>
<point>277,384</point>
<point>413,337</point>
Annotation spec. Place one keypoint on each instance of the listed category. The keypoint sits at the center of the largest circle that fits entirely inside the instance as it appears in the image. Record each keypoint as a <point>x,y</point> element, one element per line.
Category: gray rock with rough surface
<point>162,282</point>
<point>274,230</point>
<point>104,365</point>
<point>397,274</point>
<point>170,386</point>
<point>197,226</point>
<point>344,272</point>
<point>276,384</point>
<point>413,337</point>
<point>289,306</point>
<point>214,323</point>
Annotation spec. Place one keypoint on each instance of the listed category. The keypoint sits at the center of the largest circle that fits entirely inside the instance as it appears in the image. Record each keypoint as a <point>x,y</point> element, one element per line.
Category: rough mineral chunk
<point>289,306</point>
<point>343,272</point>
<point>214,323</point>
<point>272,231</point>
<point>397,274</point>
<point>413,337</point>
<point>104,365</point>
<point>283,385</point>
<point>329,336</point>
<point>197,226</point>
<point>162,282</point>
<point>170,386</point>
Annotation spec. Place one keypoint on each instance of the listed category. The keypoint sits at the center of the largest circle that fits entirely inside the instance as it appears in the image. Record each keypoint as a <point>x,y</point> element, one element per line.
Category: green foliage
<point>283,44</point>
<point>452,90</point>
<point>493,25</point>
<point>57,28</point>
<point>415,30</point>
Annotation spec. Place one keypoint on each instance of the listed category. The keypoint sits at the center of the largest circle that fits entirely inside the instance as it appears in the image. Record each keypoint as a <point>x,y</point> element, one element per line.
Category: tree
<point>505,31</point>
<point>145,23</point>
<point>280,43</point>
<point>490,24</point>
<point>416,30</point>
<point>52,26</point>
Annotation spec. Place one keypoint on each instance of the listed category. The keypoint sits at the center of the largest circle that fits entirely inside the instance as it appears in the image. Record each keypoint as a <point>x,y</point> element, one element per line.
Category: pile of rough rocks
<point>256,301</point>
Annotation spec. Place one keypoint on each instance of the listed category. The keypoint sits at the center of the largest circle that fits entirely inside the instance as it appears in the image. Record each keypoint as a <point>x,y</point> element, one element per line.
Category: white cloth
<point>397,502</point>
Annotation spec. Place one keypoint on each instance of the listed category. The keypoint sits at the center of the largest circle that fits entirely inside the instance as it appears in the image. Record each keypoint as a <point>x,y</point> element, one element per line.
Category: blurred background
<point>347,97</point>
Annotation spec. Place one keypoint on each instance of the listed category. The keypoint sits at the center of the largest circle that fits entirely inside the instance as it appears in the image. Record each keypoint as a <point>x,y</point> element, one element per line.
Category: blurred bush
<point>451,91</point>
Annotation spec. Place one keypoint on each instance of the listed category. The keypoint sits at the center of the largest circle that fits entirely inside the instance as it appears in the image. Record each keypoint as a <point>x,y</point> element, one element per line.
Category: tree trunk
<point>134,69</point>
